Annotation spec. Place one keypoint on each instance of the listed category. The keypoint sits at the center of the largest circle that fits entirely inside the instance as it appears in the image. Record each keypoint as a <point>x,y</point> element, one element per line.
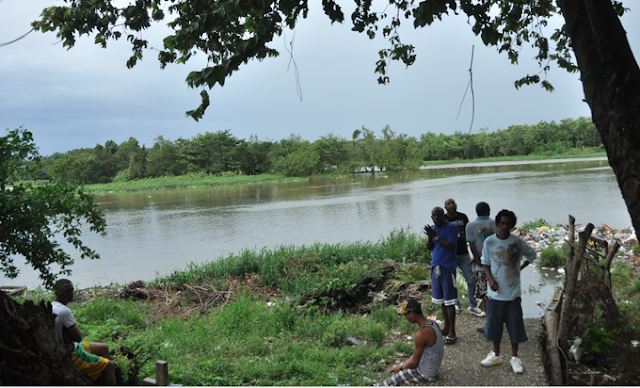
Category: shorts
<point>443,287</point>
<point>405,377</point>
<point>501,312</point>
<point>88,363</point>
<point>479,285</point>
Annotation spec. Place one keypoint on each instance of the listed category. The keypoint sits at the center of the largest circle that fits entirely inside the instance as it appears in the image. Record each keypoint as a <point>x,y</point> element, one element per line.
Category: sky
<point>85,96</point>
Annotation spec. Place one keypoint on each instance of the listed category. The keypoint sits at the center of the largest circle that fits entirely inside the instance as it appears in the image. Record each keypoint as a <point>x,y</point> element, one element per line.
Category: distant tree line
<point>221,153</point>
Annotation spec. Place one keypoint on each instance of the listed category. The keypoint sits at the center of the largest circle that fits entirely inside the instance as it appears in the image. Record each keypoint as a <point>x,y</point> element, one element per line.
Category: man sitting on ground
<point>424,365</point>
<point>91,358</point>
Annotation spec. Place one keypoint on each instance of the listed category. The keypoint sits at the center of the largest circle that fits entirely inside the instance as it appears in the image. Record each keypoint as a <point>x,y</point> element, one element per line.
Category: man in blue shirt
<point>501,255</point>
<point>443,236</point>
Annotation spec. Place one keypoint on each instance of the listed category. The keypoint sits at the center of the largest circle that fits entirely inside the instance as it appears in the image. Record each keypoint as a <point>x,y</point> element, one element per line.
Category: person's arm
<point>486,265</point>
<point>474,252</point>
<point>74,333</point>
<point>424,337</point>
<point>528,252</point>
<point>431,234</point>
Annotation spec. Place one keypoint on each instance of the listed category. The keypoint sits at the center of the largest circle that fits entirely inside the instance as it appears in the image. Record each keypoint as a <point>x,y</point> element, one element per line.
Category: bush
<point>553,257</point>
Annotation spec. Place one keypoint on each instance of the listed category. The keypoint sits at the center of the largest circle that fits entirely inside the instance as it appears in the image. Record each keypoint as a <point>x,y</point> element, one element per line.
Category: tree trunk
<point>611,82</point>
<point>31,351</point>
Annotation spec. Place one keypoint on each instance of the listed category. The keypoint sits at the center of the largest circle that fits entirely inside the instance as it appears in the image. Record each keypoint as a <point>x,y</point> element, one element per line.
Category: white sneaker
<point>516,365</point>
<point>477,312</point>
<point>458,309</point>
<point>491,359</point>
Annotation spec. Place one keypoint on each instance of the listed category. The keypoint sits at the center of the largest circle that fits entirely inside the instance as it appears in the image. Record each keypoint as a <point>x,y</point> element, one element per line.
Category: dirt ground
<point>461,364</point>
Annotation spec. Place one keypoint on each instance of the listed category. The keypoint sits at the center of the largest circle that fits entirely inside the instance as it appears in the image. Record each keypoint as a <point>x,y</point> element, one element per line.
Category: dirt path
<point>461,364</point>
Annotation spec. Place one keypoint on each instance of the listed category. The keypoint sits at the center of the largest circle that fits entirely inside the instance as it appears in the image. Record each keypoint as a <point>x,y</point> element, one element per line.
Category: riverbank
<point>209,180</point>
<point>285,317</point>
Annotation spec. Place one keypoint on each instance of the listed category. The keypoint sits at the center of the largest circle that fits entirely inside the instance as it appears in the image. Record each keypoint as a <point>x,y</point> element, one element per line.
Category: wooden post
<point>551,322</point>
<point>162,375</point>
<point>572,271</point>
<point>606,272</point>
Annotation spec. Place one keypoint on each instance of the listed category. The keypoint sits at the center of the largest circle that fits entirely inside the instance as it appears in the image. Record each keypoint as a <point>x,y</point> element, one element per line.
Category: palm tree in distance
<point>355,136</point>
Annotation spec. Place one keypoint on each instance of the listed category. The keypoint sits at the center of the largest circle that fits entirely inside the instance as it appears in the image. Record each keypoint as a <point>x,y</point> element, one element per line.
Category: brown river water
<point>160,231</point>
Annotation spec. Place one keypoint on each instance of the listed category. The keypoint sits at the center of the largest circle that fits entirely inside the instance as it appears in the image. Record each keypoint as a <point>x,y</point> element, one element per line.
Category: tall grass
<point>250,343</point>
<point>297,270</point>
<point>184,181</point>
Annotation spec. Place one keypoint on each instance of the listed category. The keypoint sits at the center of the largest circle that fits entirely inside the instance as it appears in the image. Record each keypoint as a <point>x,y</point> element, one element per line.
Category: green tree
<point>230,33</point>
<point>33,216</point>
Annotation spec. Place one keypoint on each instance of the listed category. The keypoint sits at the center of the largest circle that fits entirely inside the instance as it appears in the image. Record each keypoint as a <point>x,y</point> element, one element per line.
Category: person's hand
<point>395,369</point>
<point>430,232</point>
<point>494,285</point>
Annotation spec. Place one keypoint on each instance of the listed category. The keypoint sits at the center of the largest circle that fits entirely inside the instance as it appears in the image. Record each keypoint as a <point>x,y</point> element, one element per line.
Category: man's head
<point>505,221</point>
<point>63,288</point>
<point>482,209</point>
<point>410,308</point>
<point>437,215</point>
<point>451,206</point>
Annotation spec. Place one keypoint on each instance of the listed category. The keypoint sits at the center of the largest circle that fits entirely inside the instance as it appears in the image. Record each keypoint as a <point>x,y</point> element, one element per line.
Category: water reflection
<point>165,230</point>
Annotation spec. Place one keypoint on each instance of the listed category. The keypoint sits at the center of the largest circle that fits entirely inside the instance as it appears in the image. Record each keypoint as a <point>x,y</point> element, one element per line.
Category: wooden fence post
<point>162,374</point>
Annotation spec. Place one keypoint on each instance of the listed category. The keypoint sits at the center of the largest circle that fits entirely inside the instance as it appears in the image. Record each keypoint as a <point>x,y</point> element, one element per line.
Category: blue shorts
<point>443,287</point>
<point>500,313</point>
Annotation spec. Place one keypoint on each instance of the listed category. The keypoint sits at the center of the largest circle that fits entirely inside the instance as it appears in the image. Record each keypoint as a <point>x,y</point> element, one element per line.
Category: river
<point>160,231</point>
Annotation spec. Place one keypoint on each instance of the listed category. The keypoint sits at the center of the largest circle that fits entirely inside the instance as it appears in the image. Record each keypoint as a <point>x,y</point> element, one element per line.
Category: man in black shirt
<point>463,259</point>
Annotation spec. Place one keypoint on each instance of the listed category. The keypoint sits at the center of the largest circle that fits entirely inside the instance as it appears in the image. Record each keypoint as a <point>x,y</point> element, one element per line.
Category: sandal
<point>450,340</point>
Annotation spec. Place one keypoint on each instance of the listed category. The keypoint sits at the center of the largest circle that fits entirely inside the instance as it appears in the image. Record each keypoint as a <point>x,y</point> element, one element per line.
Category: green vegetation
<point>32,214</point>
<point>319,267</point>
<point>184,181</point>
<point>535,224</point>
<point>553,257</point>
<point>262,335</point>
<point>221,158</point>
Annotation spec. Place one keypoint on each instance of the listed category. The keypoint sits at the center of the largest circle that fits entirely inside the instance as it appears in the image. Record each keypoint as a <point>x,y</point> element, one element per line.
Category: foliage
<point>597,339</point>
<point>230,33</point>
<point>275,344</point>
<point>34,216</point>
<point>407,275</point>
<point>553,257</point>
<point>298,270</point>
<point>535,224</point>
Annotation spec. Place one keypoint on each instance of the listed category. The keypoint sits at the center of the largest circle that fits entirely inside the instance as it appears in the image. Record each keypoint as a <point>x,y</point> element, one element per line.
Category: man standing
<point>91,358</point>
<point>501,257</point>
<point>424,365</point>
<point>477,232</point>
<point>442,241</point>
<point>460,220</point>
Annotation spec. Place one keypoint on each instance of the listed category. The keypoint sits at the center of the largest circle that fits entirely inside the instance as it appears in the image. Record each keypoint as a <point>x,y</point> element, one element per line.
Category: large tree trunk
<point>611,81</point>
<point>31,351</point>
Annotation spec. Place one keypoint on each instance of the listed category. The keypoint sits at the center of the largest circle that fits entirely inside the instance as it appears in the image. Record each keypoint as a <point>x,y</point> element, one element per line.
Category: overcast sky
<point>84,96</point>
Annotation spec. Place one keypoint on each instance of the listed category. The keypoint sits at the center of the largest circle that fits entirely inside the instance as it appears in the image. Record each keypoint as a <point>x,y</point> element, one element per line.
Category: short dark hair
<point>482,209</point>
<point>59,285</point>
<point>506,213</point>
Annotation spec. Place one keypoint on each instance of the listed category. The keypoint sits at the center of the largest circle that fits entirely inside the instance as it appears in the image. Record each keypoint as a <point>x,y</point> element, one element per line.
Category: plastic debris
<point>367,380</point>
<point>574,350</point>
<point>353,341</point>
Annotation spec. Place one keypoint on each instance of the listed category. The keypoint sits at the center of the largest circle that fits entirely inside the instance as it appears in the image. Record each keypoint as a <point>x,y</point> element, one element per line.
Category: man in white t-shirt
<point>501,259</point>
<point>91,358</point>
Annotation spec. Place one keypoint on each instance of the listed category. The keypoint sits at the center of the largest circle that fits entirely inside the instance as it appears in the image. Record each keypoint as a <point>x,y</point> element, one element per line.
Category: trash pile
<point>545,236</point>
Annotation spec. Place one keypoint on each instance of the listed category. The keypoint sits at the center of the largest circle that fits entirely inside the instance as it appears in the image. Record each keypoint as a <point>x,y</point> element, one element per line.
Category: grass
<point>248,341</point>
<point>298,270</point>
<point>185,181</point>
<point>553,257</point>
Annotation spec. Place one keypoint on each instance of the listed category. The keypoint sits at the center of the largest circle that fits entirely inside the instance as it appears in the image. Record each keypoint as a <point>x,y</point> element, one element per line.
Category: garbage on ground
<point>367,380</point>
<point>353,341</point>
<point>574,350</point>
